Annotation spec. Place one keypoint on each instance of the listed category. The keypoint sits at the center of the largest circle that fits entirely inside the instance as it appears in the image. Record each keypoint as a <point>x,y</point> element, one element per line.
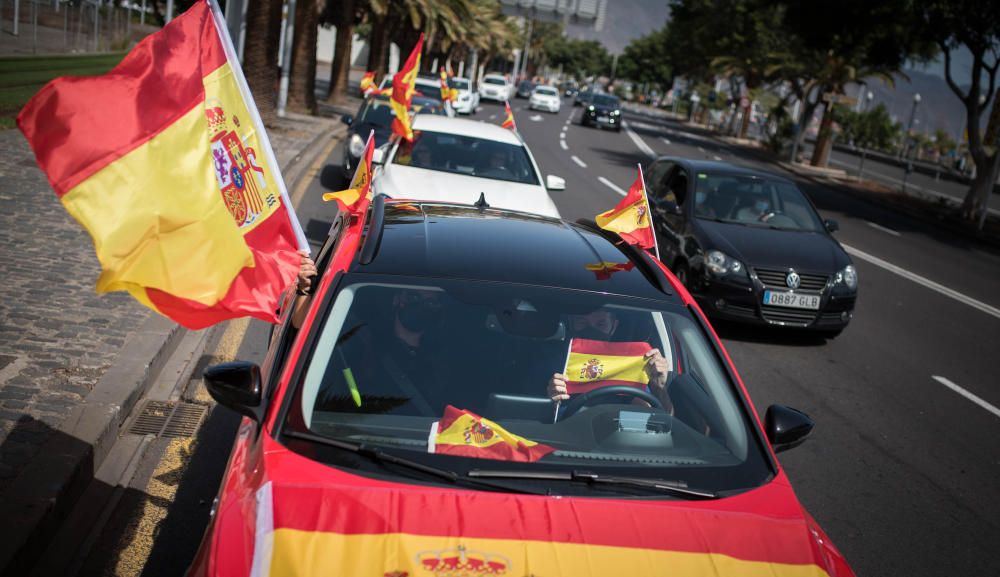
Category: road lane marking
<point>577,160</point>
<point>562,136</point>
<point>493,116</point>
<point>536,118</point>
<point>924,281</point>
<point>972,397</point>
<point>562,143</point>
<point>638,141</point>
<point>883,229</point>
<point>666,140</point>
<point>701,148</point>
<point>564,129</point>
<point>717,157</point>
<point>611,185</point>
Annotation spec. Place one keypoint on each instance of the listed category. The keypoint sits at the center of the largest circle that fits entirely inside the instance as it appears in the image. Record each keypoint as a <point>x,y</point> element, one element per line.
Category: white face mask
<point>760,205</point>
<point>699,197</point>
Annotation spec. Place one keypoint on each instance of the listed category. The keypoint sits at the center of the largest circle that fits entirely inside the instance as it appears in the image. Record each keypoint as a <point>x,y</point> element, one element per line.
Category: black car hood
<point>758,246</point>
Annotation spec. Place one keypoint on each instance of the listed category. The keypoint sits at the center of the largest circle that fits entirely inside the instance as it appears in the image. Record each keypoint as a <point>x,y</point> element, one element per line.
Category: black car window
<point>376,111</point>
<point>753,200</point>
<point>656,177</point>
<point>604,100</point>
<point>673,187</point>
<point>467,155</point>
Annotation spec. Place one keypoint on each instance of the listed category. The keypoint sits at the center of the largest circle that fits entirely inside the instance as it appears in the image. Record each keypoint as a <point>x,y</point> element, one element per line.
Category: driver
<point>758,210</point>
<point>601,325</point>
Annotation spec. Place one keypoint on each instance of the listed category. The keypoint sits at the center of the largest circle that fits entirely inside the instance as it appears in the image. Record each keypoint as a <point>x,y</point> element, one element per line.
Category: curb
<point>47,490</point>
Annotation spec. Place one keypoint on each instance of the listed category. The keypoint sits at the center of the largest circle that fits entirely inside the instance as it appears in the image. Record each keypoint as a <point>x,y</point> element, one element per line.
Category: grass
<point>21,78</point>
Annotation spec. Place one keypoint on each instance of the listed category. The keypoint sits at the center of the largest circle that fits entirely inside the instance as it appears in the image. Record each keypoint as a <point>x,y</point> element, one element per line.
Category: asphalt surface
<point>901,471</point>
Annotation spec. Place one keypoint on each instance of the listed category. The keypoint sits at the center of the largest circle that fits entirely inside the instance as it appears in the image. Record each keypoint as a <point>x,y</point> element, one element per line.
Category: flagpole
<point>569,351</point>
<point>649,215</point>
<point>227,42</point>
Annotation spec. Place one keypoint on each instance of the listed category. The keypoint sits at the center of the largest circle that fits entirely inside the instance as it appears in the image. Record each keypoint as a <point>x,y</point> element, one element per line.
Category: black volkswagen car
<point>602,110</point>
<point>750,246</point>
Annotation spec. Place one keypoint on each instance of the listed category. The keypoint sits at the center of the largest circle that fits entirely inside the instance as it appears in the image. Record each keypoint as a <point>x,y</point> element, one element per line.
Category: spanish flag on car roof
<point>165,162</point>
<point>630,218</point>
<point>356,198</point>
<point>508,121</point>
<point>403,88</point>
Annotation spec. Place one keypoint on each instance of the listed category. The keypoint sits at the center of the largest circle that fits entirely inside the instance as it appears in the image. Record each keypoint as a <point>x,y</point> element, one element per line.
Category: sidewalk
<point>73,363</point>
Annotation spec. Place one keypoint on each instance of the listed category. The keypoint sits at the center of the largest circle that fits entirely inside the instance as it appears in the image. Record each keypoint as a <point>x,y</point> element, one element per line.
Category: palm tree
<point>302,80</point>
<point>344,15</point>
<point>260,55</point>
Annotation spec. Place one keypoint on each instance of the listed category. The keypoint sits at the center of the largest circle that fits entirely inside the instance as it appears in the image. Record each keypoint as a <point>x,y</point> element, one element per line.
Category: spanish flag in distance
<point>402,92</point>
<point>355,199</point>
<point>466,434</point>
<point>508,121</point>
<point>630,217</point>
<point>595,364</point>
<point>368,84</point>
<point>445,91</point>
<point>165,162</point>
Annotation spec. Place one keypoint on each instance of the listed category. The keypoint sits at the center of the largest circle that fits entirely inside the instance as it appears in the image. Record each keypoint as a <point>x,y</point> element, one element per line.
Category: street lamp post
<point>909,125</point>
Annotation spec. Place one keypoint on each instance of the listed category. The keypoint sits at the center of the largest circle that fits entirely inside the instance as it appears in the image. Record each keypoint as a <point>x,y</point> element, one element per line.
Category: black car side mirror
<point>786,428</point>
<point>237,386</point>
<point>347,119</point>
<point>831,225</point>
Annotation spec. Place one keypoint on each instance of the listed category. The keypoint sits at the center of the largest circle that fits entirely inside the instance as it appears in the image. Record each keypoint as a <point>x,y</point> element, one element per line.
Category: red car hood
<point>294,516</point>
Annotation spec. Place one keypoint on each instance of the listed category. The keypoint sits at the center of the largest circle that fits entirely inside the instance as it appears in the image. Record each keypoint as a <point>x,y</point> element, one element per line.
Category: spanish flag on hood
<point>630,218</point>
<point>165,162</point>
<point>466,434</point>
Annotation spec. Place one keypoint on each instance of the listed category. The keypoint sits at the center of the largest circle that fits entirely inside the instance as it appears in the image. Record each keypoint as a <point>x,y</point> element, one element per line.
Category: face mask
<point>760,205</point>
<point>419,317</point>
<point>699,197</point>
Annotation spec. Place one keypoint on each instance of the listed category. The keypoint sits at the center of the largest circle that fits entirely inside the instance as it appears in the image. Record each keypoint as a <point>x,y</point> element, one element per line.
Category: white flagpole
<point>649,215</point>
<point>220,27</point>
<point>569,351</point>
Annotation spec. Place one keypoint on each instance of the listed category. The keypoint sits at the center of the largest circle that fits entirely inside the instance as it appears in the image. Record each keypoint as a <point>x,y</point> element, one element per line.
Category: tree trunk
<point>808,110</point>
<point>260,54</point>
<point>302,80</point>
<point>824,140</point>
<point>340,68</point>
<point>379,47</point>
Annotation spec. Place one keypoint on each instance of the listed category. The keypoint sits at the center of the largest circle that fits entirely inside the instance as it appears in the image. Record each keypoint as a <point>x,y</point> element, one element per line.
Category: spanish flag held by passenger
<point>466,434</point>
<point>508,121</point>
<point>165,162</point>
<point>595,364</point>
<point>368,84</point>
<point>402,92</point>
<point>356,198</point>
<point>630,217</point>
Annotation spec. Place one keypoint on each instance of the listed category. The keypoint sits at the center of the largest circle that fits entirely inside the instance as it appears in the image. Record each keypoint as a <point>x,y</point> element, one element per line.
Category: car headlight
<point>721,264</point>
<point>590,108</point>
<point>848,277</point>
<point>616,112</point>
<point>355,145</point>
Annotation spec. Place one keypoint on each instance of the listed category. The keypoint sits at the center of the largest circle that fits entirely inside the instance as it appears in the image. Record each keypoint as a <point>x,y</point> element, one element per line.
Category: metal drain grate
<point>168,419</point>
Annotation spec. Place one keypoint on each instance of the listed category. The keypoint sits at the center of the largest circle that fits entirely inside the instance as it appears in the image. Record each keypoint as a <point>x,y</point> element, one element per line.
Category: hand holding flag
<point>630,217</point>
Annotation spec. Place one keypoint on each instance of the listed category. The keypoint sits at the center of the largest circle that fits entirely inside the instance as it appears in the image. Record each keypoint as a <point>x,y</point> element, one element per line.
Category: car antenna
<point>481,204</point>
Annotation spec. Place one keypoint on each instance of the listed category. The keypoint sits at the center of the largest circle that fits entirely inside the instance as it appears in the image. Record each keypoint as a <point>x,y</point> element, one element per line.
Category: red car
<point>408,427</point>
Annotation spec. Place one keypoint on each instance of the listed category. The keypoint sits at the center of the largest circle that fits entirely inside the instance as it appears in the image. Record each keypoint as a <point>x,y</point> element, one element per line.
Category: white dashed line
<point>666,141</point>
<point>638,141</point>
<point>717,157</point>
<point>883,229</point>
<point>611,185</point>
<point>564,128</point>
<point>701,148</point>
<point>493,116</point>
<point>579,162</point>
<point>967,395</point>
<point>924,281</point>
<point>562,136</point>
<point>562,143</point>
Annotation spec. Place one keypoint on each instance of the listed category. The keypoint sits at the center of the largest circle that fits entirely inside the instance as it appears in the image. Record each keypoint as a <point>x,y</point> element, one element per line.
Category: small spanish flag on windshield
<point>630,218</point>
<point>355,199</point>
<point>595,364</point>
<point>402,91</point>
<point>508,121</point>
<point>466,434</point>
<point>603,270</point>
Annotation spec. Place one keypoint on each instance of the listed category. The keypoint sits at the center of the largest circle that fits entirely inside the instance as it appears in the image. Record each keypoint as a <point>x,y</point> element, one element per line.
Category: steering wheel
<point>579,401</point>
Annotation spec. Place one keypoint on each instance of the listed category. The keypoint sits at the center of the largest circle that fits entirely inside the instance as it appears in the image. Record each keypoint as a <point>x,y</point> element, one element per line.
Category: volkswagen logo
<point>792,280</point>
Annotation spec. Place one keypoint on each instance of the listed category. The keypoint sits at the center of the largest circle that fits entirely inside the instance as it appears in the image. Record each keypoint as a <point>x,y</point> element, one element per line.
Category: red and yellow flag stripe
<point>466,434</point>
<point>355,199</point>
<point>403,88</point>
<point>594,364</point>
<point>630,217</point>
<point>508,121</point>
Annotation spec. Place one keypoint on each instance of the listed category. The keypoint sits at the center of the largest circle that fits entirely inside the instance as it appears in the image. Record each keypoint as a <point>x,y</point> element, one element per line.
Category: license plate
<point>792,300</point>
<point>604,120</point>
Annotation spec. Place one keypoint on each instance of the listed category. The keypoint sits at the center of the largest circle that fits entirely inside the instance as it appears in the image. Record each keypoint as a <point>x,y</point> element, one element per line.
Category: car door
<point>666,198</point>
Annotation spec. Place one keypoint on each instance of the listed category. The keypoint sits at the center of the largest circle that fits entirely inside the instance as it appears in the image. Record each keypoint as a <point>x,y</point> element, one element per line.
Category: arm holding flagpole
<point>649,214</point>
<point>227,41</point>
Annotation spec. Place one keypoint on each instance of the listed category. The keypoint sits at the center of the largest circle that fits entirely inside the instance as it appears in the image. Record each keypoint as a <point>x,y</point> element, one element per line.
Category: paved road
<point>902,471</point>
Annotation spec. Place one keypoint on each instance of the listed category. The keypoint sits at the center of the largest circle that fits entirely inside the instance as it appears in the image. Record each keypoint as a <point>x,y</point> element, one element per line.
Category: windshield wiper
<point>672,487</point>
<point>380,456</point>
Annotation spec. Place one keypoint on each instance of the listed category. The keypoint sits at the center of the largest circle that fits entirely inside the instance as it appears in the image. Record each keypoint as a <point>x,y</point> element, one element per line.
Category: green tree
<point>642,61</point>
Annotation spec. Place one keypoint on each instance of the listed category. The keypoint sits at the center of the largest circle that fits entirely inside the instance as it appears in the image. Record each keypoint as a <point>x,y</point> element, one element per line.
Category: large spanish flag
<point>402,91</point>
<point>165,162</point>
<point>595,364</point>
<point>356,198</point>
<point>467,434</point>
<point>630,217</point>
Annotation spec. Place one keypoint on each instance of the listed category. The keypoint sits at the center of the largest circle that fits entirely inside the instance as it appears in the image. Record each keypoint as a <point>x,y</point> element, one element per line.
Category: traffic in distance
<point>540,385</point>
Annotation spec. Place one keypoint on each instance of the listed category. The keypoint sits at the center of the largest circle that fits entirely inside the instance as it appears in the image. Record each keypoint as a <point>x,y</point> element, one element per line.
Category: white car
<point>545,98</point>
<point>468,99</point>
<point>495,87</point>
<point>456,160</point>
